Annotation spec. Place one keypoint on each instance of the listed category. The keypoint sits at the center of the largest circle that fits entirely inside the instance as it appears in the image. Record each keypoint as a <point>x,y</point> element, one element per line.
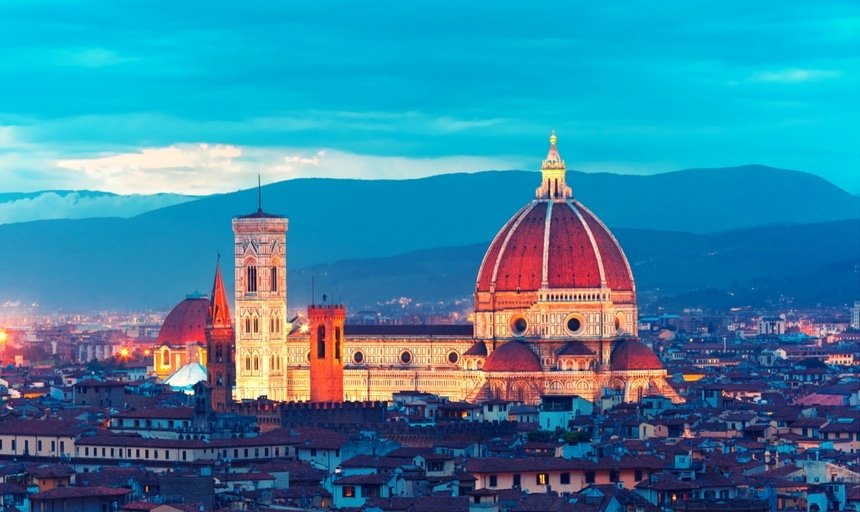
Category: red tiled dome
<point>561,238</point>
<point>186,322</point>
<point>512,356</point>
<point>632,355</point>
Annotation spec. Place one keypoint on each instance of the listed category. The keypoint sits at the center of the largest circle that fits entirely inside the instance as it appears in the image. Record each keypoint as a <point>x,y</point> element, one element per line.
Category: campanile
<point>260,254</point>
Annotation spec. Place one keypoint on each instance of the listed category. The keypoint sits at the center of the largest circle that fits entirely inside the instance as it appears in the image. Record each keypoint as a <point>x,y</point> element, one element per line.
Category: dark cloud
<point>648,86</point>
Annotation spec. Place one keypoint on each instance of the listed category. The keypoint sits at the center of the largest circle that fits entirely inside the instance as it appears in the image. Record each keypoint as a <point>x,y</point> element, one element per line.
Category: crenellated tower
<point>261,304</point>
<point>326,352</point>
<point>220,345</point>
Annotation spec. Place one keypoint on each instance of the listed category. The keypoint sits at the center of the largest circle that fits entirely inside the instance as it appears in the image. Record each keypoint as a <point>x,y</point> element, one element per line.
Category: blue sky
<point>198,97</point>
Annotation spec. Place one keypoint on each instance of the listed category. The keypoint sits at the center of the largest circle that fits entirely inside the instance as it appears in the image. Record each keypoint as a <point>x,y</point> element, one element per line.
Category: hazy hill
<point>79,204</point>
<point>815,263</point>
<point>155,258</point>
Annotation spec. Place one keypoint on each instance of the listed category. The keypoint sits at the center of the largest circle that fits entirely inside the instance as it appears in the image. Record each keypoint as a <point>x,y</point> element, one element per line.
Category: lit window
<point>252,279</point>
<point>542,478</point>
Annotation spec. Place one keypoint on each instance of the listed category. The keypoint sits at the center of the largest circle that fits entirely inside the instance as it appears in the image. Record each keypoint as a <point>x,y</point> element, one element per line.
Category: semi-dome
<point>185,322</point>
<point>512,356</point>
<point>631,355</point>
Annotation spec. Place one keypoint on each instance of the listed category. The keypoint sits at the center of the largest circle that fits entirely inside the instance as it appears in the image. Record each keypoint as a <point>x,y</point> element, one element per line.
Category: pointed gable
<point>219,310</point>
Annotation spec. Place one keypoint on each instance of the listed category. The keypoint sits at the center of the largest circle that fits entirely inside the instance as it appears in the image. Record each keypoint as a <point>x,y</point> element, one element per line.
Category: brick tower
<point>220,345</point>
<point>326,329</point>
<point>261,304</point>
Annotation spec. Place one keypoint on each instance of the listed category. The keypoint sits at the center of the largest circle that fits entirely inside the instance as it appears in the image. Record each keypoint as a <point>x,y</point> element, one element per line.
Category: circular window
<point>358,357</point>
<point>405,357</point>
<point>453,357</point>
<point>519,326</point>
<point>574,324</point>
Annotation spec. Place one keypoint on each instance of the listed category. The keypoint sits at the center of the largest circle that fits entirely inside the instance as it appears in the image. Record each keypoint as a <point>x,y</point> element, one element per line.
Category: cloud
<point>796,75</point>
<point>211,168</point>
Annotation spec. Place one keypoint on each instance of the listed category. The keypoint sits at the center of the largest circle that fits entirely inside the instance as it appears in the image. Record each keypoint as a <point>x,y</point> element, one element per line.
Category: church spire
<point>553,184</point>
<point>219,311</point>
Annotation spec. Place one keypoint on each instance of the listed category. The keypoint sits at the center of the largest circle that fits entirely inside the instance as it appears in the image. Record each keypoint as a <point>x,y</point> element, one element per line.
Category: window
<point>248,363</point>
<point>247,324</point>
<point>564,478</point>
<point>274,279</point>
<point>494,480</point>
<point>637,474</point>
<point>39,445</point>
<point>542,479</point>
<point>337,343</point>
<point>613,476</point>
<point>405,357</point>
<point>252,278</point>
<point>348,491</point>
<point>256,324</point>
<point>517,480</point>
<point>219,353</point>
<point>256,363</point>
<point>589,477</point>
<point>321,342</point>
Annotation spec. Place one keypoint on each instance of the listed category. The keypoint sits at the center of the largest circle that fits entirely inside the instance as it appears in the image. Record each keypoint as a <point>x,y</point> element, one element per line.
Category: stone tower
<point>261,304</point>
<point>326,329</point>
<point>220,346</point>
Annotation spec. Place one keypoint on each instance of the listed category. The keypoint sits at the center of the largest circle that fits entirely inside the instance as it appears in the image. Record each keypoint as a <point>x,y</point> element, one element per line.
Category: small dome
<point>478,349</point>
<point>632,355</point>
<point>186,322</point>
<point>513,356</point>
<point>186,377</point>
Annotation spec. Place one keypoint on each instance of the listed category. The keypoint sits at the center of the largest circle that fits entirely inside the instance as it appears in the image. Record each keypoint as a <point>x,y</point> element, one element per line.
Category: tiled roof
<point>61,493</point>
<point>48,427</point>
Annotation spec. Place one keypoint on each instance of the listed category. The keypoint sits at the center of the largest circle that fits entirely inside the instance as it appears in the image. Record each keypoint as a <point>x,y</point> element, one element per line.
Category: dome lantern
<point>553,172</point>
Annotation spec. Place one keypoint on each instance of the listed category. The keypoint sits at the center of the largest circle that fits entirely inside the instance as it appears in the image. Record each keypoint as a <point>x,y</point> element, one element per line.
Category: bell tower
<point>220,346</point>
<point>326,329</point>
<point>260,254</point>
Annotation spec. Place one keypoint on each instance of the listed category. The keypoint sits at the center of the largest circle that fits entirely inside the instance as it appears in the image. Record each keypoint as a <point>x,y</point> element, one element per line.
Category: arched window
<point>256,363</point>
<point>321,342</point>
<point>274,279</point>
<point>219,353</point>
<point>256,324</point>
<point>248,363</point>
<point>337,343</point>
<point>247,324</point>
<point>251,278</point>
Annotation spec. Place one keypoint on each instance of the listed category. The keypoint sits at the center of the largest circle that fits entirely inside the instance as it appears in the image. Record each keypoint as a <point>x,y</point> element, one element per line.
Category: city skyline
<point>199,100</point>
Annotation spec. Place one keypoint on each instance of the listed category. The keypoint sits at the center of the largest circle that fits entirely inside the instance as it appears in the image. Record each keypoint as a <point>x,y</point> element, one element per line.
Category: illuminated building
<point>555,314</point>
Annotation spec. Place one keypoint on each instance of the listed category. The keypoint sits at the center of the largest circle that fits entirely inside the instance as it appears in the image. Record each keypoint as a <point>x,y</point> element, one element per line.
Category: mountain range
<point>693,232</point>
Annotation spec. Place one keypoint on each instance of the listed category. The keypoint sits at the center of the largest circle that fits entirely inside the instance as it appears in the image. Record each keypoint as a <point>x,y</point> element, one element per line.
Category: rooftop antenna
<point>259,195</point>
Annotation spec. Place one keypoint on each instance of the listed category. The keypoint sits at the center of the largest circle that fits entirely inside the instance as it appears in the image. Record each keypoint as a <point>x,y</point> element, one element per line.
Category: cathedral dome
<point>512,356</point>
<point>553,243</point>
<point>631,355</point>
<point>186,322</point>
